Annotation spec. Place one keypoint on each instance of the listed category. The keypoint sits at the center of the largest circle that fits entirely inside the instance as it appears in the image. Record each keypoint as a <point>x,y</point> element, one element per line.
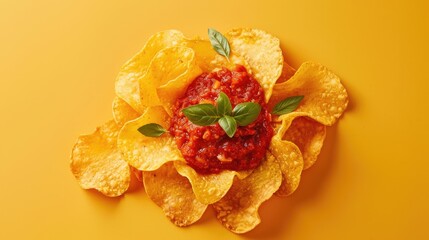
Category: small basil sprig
<point>152,130</point>
<point>206,114</point>
<point>219,43</point>
<point>287,105</point>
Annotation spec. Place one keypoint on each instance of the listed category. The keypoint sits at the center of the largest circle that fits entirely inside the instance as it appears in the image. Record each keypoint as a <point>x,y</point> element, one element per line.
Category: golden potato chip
<point>325,98</point>
<point>204,54</point>
<point>173,193</point>
<point>127,83</point>
<point>167,65</point>
<point>208,188</point>
<point>148,153</point>
<point>123,112</point>
<point>208,59</point>
<point>289,158</point>
<point>307,134</point>
<point>176,87</point>
<point>137,173</point>
<point>287,73</point>
<point>97,163</point>
<point>262,51</point>
<point>238,209</point>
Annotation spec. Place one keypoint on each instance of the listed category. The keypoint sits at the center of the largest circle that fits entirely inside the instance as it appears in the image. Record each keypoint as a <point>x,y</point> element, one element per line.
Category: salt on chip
<point>173,193</point>
<point>325,98</point>
<point>148,153</point>
<point>122,111</point>
<point>97,163</point>
<point>167,65</point>
<point>208,188</point>
<point>127,83</point>
<point>238,209</point>
<point>262,51</point>
<point>307,134</point>
<point>291,163</point>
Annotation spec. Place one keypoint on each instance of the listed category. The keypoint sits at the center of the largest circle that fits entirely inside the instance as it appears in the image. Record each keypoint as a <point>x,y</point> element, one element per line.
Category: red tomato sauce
<point>207,148</point>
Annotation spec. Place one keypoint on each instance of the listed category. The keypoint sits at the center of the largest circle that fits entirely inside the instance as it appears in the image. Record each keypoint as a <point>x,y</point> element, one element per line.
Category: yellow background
<point>58,62</point>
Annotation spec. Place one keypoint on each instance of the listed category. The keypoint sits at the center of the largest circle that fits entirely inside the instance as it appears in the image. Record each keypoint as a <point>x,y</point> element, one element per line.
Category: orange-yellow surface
<point>58,62</point>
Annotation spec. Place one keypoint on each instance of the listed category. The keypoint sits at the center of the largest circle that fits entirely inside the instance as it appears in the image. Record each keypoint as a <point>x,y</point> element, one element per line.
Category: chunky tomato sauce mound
<point>207,148</point>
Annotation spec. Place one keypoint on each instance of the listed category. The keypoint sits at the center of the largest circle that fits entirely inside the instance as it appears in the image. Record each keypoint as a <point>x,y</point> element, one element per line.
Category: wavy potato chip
<point>204,54</point>
<point>208,60</point>
<point>291,164</point>
<point>127,83</point>
<point>173,193</point>
<point>97,163</point>
<point>184,73</point>
<point>307,134</point>
<point>262,51</point>
<point>168,65</point>
<point>148,153</point>
<point>325,98</point>
<point>238,209</point>
<point>122,111</point>
<point>287,73</point>
<point>208,188</point>
<point>137,173</point>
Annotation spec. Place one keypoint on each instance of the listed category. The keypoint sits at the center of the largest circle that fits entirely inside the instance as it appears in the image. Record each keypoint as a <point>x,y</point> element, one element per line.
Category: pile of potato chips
<point>149,84</point>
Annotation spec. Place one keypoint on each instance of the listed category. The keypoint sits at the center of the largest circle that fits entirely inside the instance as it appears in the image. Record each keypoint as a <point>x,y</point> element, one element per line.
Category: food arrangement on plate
<point>223,122</point>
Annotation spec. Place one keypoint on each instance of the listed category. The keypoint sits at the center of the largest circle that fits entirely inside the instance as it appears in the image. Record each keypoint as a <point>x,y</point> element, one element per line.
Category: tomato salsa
<point>207,148</point>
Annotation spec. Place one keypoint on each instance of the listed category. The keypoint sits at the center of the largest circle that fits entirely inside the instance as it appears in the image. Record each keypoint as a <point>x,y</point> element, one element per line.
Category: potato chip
<point>287,73</point>
<point>208,59</point>
<point>238,209</point>
<point>123,112</point>
<point>148,153</point>
<point>208,188</point>
<point>137,173</point>
<point>97,163</point>
<point>262,51</point>
<point>307,134</point>
<point>167,65</point>
<point>173,193</point>
<point>325,98</point>
<point>175,88</point>
<point>291,164</point>
<point>204,54</point>
<point>127,83</point>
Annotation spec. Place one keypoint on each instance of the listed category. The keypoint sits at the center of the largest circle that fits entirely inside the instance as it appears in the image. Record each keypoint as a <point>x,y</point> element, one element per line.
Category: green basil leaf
<point>229,125</point>
<point>287,105</point>
<point>223,105</point>
<point>246,113</point>
<point>201,114</point>
<point>152,130</point>
<point>219,43</point>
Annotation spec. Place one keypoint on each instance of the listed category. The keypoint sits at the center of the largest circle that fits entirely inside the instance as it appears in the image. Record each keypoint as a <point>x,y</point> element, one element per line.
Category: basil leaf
<point>201,114</point>
<point>246,113</point>
<point>152,130</point>
<point>229,125</point>
<point>219,42</point>
<point>287,105</point>
<point>223,105</point>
